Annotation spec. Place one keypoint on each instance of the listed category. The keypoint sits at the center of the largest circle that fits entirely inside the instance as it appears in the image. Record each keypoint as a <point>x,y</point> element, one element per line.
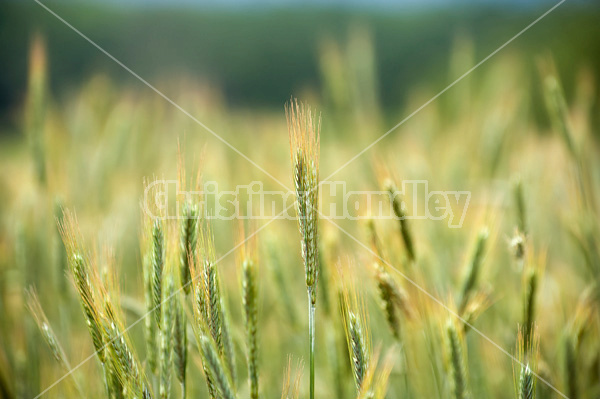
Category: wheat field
<point>101,298</point>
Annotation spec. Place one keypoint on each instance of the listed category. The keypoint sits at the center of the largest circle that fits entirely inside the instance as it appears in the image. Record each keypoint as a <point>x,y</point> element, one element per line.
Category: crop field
<point>158,242</point>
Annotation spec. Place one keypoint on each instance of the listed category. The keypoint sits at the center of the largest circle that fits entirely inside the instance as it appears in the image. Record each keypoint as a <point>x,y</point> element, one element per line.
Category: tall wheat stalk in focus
<point>304,148</point>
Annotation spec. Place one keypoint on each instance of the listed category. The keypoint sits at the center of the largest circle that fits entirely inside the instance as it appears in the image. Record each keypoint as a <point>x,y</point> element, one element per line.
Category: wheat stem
<point>304,150</point>
<point>311,340</point>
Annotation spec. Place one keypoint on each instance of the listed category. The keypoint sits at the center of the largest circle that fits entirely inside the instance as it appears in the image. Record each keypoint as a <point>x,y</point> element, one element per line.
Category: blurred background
<point>256,53</point>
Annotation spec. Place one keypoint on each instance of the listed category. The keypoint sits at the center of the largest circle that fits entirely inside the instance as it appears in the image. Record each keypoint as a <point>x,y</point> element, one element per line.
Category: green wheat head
<point>250,306</point>
<point>473,269</point>
<point>304,147</point>
<point>188,238</point>
<point>158,264</point>
<point>396,203</point>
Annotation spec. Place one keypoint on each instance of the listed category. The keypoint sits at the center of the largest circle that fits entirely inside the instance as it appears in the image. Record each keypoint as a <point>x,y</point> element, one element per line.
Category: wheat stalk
<point>167,330</point>
<point>399,212</point>
<point>391,294</point>
<point>529,296</point>
<point>216,319</point>
<point>210,308</point>
<point>126,371</point>
<point>386,294</point>
<point>211,358</point>
<point>358,350</point>
<point>88,302</point>
<point>355,327</point>
<point>122,361</point>
<point>304,149</point>
<point>158,263</point>
<point>519,199</point>
<point>213,295</point>
<point>80,272</point>
<point>149,322</point>
<point>251,313</point>
<point>392,298</point>
<point>473,269</point>
<point>180,344</point>
<point>60,254</point>
<point>201,317</point>
<point>188,237</point>
<point>249,268</point>
<point>457,377</point>
<point>527,354</point>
